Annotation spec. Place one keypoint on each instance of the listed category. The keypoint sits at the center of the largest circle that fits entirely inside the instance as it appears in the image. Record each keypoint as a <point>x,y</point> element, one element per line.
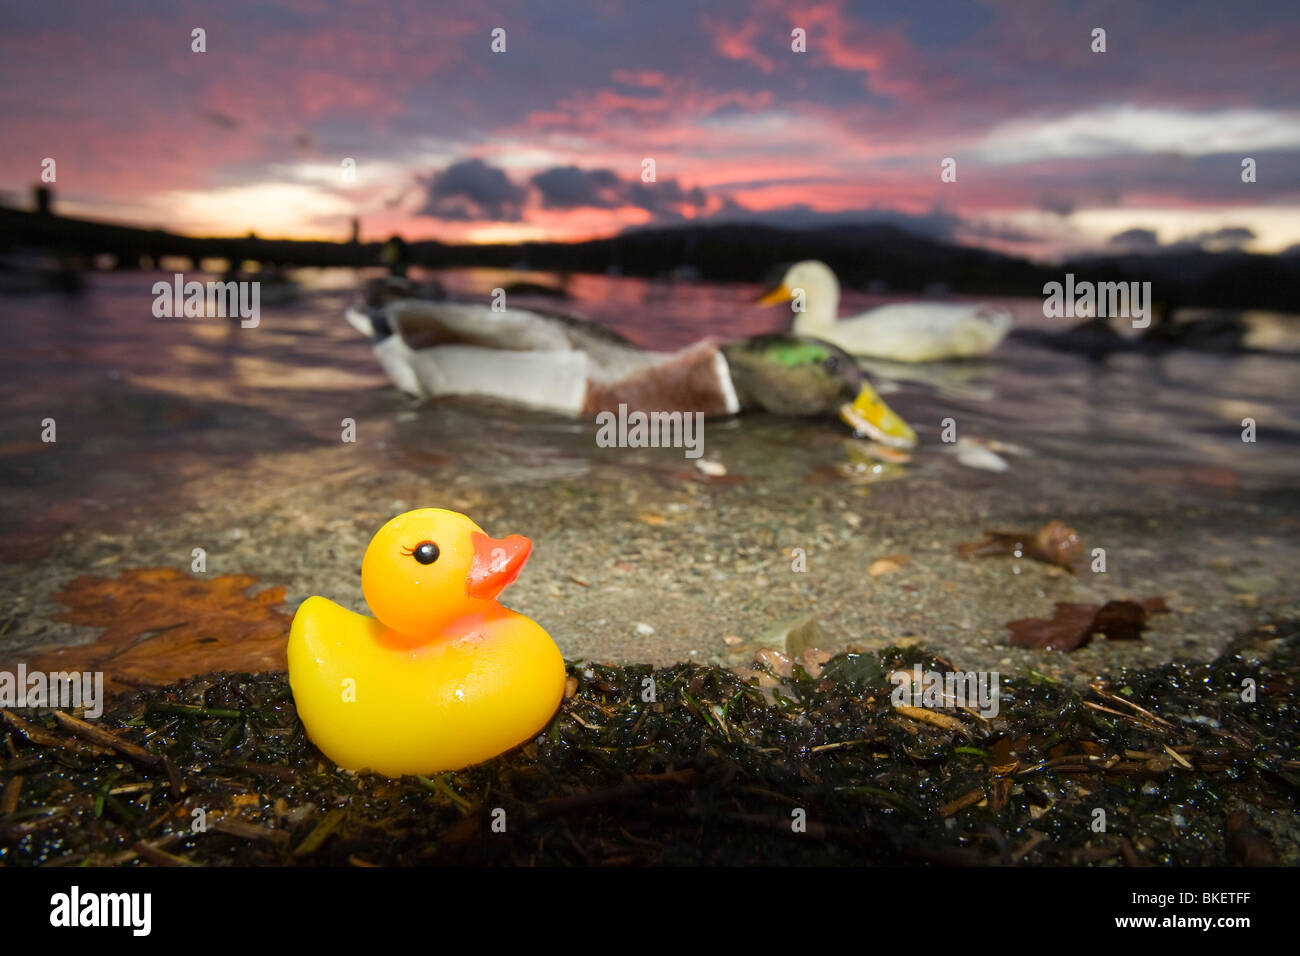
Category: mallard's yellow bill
<point>780,294</point>
<point>870,415</point>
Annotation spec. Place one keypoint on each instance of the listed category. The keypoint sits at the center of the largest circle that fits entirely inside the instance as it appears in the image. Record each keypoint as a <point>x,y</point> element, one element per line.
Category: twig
<point>192,710</point>
<point>158,857</point>
<point>104,738</point>
<point>173,778</point>
<point>842,743</point>
<point>933,719</point>
<point>1028,847</point>
<point>321,833</point>
<point>962,802</point>
<point>1178,758</point>
<point>1123,716</point>
<point>250,831</point>
<point>1100,690</point>
<point>9,801</point>
<point>43,738</point>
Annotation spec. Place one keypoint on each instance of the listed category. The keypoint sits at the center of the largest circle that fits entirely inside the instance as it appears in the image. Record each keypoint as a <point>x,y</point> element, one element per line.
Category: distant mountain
<point>860,255</point>
<point>877,256</point>
<point>1182,277</point>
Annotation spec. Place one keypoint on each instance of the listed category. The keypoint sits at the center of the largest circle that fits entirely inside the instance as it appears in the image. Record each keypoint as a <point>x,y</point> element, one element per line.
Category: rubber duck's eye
<point>426,552</point>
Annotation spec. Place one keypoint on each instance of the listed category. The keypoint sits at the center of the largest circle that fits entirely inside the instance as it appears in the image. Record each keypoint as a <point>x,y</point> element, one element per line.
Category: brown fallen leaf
<point>1053,543</point>
<point>1246,845</point>
<point>887,564</point>
<point>812,659</point>
<point>162,625</point>
<point>1073,625</point>
<point>774,661</point>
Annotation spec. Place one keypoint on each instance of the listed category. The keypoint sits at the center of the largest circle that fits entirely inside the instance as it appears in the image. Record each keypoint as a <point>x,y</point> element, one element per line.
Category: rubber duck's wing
<point>320,624</point>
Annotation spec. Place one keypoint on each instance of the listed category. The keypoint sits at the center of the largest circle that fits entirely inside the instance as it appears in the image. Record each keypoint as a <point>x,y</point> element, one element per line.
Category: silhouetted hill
<point>86,238</point>
<point>1194,277</point>
<point>877,256</point>
<point>860,255</point>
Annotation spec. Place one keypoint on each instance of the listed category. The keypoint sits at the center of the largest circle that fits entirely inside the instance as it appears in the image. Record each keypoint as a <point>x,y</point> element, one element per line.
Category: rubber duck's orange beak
<point>497,562</point>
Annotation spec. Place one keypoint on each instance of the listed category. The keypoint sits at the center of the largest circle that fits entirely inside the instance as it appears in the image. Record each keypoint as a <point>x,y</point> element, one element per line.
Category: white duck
<point>910,332</point>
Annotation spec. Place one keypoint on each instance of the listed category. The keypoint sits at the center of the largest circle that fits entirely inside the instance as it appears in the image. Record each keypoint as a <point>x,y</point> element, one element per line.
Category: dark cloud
<point>1061,205</point>
<point>664,197</point>
<point>1215,240</point>
<point>471,190</point>
<point>218,118</point>
<point>1134,240</point>
<point>1227,236</point>
<point>977,230</point>
<point>1212,240</point>
<point>568,187</point>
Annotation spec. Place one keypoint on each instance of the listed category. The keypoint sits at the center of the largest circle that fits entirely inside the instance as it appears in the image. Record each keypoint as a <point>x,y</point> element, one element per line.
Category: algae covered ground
<point>1185,764</point>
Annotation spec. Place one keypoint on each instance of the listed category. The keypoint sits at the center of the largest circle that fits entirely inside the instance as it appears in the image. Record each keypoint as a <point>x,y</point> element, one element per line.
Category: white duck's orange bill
<point>780,294</point>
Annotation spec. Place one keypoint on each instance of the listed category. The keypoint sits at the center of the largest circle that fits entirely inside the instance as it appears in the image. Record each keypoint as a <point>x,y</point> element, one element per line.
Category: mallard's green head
<point>791,375</point>
<point>798,375</point>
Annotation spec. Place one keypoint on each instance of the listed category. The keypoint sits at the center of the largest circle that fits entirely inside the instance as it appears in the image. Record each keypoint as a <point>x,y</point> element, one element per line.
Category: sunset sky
<point>1058,149</point>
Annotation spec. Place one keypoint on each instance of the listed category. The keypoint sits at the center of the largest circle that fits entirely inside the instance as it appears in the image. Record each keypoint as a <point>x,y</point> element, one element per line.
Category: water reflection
<point>140,400</point>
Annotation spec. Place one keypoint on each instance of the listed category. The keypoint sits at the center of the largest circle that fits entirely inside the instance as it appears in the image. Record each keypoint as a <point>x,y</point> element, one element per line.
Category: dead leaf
<point>162,625</point>
<point>1246,845</point>
<point>774,661</point>
<point>812,659</point>
<point>1073,625</point>
<point>1053,543</point>
<point>887,565</point>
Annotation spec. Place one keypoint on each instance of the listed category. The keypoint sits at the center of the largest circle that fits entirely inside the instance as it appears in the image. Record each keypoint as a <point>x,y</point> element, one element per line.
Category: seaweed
<point>692,764</point>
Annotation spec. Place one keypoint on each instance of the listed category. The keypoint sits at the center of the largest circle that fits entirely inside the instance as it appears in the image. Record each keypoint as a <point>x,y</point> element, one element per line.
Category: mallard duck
<point>567,365</point>
<point>1098,339</point>
<point>910,332</point>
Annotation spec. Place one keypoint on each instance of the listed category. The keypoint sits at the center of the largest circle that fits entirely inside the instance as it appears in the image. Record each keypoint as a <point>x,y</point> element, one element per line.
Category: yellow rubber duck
<point>445,677</point>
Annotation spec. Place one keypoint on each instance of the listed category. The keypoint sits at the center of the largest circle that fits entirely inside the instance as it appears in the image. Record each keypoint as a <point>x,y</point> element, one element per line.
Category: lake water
<point>171,431</point>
